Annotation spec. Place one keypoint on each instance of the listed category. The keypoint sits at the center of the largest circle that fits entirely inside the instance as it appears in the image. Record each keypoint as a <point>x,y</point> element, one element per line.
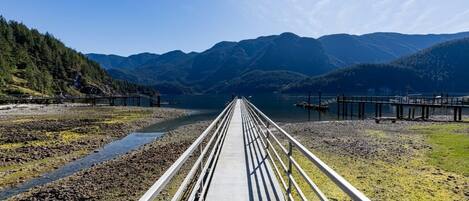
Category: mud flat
<point>389,161</point>
<point>124,178</point>
<point>35,139</point>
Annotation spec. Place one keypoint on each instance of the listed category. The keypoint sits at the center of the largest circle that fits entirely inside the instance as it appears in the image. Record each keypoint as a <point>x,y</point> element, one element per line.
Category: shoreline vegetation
<point>35,139</point>
<point>389,161</point>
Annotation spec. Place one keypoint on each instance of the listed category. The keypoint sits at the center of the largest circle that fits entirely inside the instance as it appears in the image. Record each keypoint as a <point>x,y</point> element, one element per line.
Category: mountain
<point>115,61</point>
<point>226,65</point>
<point>346,50</point>
<point>443,67</point>
<point>226,62</point>
<point>257,81</point>
<point>38,64</point>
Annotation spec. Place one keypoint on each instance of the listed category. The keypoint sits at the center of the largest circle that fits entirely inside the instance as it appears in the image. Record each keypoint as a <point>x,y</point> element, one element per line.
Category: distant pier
<point>117,100</point>
<point>406,107</point>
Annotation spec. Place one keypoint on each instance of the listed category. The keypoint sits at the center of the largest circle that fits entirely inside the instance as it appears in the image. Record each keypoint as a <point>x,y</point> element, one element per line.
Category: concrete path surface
<point>243,171</point>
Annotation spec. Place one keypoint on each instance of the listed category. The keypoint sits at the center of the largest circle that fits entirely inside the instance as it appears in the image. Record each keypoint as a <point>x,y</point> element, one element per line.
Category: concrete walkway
<point>243,171</point>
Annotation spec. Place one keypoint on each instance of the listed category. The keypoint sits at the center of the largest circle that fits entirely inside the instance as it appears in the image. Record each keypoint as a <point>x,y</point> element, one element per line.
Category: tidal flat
<point>407,160</point>
<point>126,177</point>
<point>35,139</point>
<point>389,161</point>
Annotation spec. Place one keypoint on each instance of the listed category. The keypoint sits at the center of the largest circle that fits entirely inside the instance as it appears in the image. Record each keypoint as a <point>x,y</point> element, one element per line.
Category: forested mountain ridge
<point>32,63</point>
<point>226,62</point>
<point>115,61</point>
<point>443,67</point>
<point>285,57</point>
<point>382,47</point>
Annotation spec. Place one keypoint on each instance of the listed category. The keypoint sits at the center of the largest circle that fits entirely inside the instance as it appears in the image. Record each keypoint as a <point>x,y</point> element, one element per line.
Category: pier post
<point>363,110</point>
<point>402,111</point>
<point>423,112</point>
<point>338,108</point>
<point>158,101</point>
<point>360,110</point>
<point>376,110</point>
<point>427,113</point>
<point>150,100</point>
<point>380,110</point>
<point>460,114</point>
<point>344,110</point>
<point>398,110</point>
<point>455,113</point>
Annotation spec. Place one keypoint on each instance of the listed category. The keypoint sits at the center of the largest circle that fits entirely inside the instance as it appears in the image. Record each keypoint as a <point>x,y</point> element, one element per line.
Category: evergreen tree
<point>40,62</point>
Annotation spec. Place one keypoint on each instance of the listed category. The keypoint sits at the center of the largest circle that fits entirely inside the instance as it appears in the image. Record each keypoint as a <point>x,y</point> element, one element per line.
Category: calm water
<point>279,107</point>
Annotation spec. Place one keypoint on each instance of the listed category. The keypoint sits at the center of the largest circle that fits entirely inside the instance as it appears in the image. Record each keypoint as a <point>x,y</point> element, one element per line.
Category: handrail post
<point>199,188</point>
<point>289,172</point>
<point>267,138</point>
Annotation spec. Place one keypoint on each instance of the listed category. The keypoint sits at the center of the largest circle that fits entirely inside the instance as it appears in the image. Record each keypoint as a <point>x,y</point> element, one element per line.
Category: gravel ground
<point>124,178</point>
<point>36,109</point>
<point>364,139</point>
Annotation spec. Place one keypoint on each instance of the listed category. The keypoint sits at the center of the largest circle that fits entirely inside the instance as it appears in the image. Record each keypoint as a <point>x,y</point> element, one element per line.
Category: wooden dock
<point>117,100</point>
<point>401,104</point>
<point>312,106</point>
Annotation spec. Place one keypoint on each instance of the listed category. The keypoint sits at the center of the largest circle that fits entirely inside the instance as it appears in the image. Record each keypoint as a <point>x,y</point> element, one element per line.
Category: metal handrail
<point>315,188</point>
<point>249,121</point>
<point>350,190</point>
<point>219,135</point>
<point>161,183</point>
<point>208,170</point>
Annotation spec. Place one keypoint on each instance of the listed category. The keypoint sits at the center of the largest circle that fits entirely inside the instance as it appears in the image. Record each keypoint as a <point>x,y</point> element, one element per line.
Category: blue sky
<point>129,26</point>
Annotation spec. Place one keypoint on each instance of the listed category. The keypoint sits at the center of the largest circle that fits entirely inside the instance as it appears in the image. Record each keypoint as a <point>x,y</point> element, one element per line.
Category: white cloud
<point>321,17</point>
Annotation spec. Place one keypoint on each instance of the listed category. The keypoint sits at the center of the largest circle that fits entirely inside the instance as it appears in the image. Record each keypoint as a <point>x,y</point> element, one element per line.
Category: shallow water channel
<point>112,150</point>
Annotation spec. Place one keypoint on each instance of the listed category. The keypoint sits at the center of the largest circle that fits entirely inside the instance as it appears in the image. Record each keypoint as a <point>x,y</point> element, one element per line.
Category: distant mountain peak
<point>223,44</point>
<point>288,35</point>
<point>174,53</point>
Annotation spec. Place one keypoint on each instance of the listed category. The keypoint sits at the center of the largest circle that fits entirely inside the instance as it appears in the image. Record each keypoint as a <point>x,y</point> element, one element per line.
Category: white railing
<point>217,130</point>
<point>209,144</point>
<point>265,126</point>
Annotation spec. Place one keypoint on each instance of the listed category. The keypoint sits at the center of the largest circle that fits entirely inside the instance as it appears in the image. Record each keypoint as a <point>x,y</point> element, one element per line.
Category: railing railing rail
<point>265,121</point>
<point>161,183</point>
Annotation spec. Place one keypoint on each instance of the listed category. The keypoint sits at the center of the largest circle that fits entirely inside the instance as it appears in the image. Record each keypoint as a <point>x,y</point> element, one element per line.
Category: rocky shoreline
<point>386,161</point>
<point>38,139</point>
<point>124,178</point>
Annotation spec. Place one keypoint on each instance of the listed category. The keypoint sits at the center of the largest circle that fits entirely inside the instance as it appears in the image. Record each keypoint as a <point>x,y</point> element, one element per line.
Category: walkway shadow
<point>261,180</point>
